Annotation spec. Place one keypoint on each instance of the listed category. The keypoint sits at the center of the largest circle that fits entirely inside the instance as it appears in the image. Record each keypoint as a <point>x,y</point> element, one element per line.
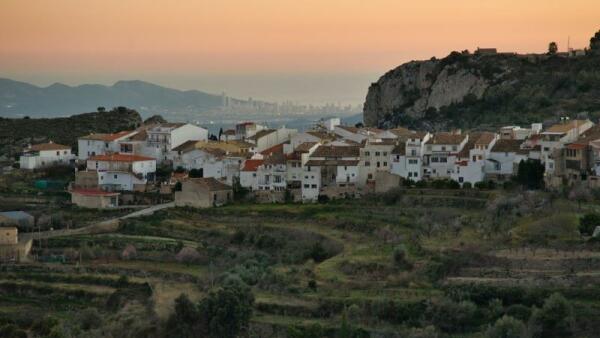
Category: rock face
<point>466,90</point>
<point>417,86</point>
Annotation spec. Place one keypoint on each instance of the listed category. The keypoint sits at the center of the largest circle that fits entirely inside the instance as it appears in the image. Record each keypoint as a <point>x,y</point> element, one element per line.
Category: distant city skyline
<point>311,52</point>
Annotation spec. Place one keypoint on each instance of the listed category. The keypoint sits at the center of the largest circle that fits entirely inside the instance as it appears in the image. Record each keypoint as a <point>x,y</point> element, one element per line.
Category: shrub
<point>467,185</point>
<point>425,332</point>
<point>421,184</point>
<point>90,318</point>
<point>506,327</point>
<point>400,257</point>
<point>588,223</point>
<point>187,255</point>
<point>451,316</point>
<point>312,284</point>
<point>555,317</point>
<point>323,199</point>
<point>519,311</point>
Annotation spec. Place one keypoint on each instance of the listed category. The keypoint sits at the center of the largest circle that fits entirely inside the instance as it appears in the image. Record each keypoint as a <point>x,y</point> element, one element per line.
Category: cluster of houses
<point>331,160</point>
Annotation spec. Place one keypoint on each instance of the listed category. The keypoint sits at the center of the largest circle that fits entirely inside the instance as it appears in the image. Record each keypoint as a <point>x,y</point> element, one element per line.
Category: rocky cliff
<point>468,90</point>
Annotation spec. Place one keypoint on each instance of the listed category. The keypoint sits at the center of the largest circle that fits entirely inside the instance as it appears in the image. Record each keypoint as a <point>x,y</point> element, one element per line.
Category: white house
<point>557,136</point>
<point>100,144</point>
<point>45,155</point>
<point>122,171</point>
<point>268,138</point>
<point>374,156</point>
<point>504,158</point>
<point>471,160</point>
<point>248,175</point>
<point>330,167</point>
<point>440,154</point>
<point>271,174</point>
<point>164,137</point>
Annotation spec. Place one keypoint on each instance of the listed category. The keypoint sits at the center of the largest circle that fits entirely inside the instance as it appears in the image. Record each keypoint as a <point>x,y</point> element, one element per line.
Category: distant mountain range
<point>19,99</point>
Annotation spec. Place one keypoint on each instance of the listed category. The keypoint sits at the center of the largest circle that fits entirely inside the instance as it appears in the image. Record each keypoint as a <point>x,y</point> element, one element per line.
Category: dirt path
<point>110,225</point>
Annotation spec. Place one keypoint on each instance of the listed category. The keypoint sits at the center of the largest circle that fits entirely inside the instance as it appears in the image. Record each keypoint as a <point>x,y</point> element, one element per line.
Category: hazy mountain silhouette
<point>19,99</point>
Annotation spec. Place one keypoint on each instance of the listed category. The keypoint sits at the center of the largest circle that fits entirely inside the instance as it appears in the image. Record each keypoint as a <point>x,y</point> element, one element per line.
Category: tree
<point>555,317</point>
<point>225,312</point>
<point>552,48</point>
<point>580,193</point>
<point>531,174</point>
<point>101,109</point>
<point>588,223</point>
<point>595,43</point>
<point>184,322</point>
<point>187,255</point>
<point>506,327</point>
<point>220,133</point>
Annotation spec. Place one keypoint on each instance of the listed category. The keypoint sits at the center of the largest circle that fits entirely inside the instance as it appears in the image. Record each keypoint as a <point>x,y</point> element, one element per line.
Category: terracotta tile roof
<point>142,135</point>
<point>93,192</point>
<point>507,146</point>
<point>275,158</point>
<point>305,147</point>
<point>252,165</point>
<point>347,128</point>
<point>485,138</point>
<point>120,158</point>
<point>107,137</point>
<point>446,138</point>
<point>464,152</point>
<point>401,131</point>
<point>209,182</point>
<point>336,151</point>
<point>186,146</point>
<point>49,146</point>
<point>576,146</point>
<point>274,149</point>
<point>295,156</point>
<point>565,127</point>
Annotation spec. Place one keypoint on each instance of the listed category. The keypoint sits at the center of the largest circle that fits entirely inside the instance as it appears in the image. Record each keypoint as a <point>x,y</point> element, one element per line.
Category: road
<point>110,225</point>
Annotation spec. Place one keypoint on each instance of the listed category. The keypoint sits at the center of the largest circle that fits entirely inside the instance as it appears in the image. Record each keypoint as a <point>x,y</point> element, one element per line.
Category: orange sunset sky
<point>310,50</point>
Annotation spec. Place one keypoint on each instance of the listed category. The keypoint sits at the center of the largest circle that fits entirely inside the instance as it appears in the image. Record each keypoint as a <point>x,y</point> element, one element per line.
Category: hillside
<point>467,90</point>
<point>19,99</point>
<point>17,133</point>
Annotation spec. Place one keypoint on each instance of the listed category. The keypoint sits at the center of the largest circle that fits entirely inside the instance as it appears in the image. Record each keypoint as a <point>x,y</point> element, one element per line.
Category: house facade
<point>46,155</point>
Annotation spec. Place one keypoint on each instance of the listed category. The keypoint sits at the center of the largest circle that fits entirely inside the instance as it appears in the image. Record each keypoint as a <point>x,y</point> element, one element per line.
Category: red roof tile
<point>49,146</point>
<point>252,165</point>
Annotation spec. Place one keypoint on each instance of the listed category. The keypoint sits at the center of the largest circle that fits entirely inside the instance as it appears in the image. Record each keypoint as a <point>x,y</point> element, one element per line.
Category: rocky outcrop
<point>466,90</point>
<point>417,86</point>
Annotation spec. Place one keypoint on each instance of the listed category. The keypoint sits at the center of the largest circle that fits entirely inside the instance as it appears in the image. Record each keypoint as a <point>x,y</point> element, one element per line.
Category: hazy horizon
<point>306,52</point>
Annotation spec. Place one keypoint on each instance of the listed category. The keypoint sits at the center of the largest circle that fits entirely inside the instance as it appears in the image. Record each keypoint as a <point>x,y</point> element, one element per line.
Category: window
<point>415,174</point>
<point>367,164</point>
<point>345,167</point>
<point>409,174</point>
<point>115,176</point>
<point>413,152</point>
<point>413,161</point>
<point>306,177</point>
<point>370,176</point>
<point>460,180</point>
<point>378,164</point>
<point>385,153</point>
<point>443,159</point>
<point>454,148</point>
<point>367,153</point>
<point>306,186</point>
<point>435,160</point>
<point>443,148</point>
<point>377,153</point>
<point>58,153</point>
<point>385,164</point>
<point>314,186</point>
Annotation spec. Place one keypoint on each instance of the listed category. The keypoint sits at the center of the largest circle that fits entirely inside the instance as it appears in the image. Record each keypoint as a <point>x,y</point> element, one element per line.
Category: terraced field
<point>386,266</point>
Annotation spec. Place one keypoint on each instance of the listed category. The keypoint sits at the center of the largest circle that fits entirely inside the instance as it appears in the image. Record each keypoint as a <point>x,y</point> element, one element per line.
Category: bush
<point>506,327</point>
<point>90,318</point>
<point>312,284</point>
<point>323,199</point>
<point>519,311</point>
<point>555,318</point>
<point>421,184</point>
<point>12,331</point>
<point>588,223</point>
<point>400,258</point>
<point>451,316</point>
<point>467,185</point>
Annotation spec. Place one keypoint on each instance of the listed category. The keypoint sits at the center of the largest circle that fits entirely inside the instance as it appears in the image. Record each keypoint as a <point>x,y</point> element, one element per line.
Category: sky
<point>310,51</point>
